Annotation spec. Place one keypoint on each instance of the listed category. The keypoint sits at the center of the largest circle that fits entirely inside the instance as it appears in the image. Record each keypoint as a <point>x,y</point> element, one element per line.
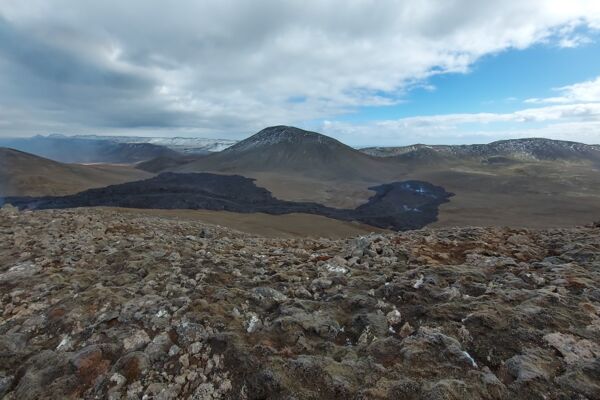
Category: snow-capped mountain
<point>180,144</point>
<point>529,149</point>
<point>292,151</point>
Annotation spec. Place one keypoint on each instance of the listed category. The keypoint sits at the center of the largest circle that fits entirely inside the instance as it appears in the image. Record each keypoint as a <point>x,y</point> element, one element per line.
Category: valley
<point>300,200</point>
<point>529,182</point>
<point>398,205</point>
<point>537,183</point>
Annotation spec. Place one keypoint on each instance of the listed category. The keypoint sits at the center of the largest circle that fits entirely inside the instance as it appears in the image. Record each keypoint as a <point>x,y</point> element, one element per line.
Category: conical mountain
<point>293,151</point>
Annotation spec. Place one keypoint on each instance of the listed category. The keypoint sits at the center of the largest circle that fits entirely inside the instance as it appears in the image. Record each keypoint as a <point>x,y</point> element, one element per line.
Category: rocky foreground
<point>96,304</point>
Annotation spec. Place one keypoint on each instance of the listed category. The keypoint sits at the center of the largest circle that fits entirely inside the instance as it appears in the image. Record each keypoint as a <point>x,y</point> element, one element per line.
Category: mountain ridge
<point>195,145</point>
<point>76,150</point>
<point>524,149</point>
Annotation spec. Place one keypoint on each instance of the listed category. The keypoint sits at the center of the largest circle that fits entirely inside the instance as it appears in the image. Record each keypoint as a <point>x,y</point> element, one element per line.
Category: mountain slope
<point>164,163</point>
<point>23,174</point>
<point>76,150</point>
<point>291,151</point>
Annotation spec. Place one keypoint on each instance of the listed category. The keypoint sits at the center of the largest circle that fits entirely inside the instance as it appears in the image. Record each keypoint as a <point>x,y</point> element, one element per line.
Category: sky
<point>367,72</point>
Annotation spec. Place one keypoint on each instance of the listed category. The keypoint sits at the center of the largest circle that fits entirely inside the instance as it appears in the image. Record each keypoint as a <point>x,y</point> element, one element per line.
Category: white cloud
<point>588,91</point>
<point>231,67</point>
<point>579,122</point>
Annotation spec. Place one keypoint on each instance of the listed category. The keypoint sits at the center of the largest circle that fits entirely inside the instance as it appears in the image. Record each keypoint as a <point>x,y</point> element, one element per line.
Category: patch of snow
<point>280,134</point>
<point>182,144</point>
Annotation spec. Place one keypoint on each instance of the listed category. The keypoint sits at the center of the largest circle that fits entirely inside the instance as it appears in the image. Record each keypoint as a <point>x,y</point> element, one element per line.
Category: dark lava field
<point>399,205</point>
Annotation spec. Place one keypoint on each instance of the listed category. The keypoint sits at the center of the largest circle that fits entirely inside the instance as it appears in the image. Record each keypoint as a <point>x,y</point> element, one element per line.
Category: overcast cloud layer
<point>229,68</point>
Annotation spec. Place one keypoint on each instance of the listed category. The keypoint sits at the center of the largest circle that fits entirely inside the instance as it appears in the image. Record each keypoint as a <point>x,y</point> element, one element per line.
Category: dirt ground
<point>288,225</point>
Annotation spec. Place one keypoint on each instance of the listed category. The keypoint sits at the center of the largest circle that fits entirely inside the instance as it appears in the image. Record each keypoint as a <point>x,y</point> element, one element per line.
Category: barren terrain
<point>537,195</point>
<point>267,225</point>
<point>524,194</point>
<point>536,183</point>
<point>397,205</point>
<point>103,304</point>
<point>23,174</point>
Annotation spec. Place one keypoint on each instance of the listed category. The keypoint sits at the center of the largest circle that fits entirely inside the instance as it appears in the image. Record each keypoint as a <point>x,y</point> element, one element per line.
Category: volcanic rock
<point>101,304</point>
<point>397,205</point>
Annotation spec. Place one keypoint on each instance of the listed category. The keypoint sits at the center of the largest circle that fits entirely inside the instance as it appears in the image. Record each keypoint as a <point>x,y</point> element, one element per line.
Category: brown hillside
<point>23,174</point>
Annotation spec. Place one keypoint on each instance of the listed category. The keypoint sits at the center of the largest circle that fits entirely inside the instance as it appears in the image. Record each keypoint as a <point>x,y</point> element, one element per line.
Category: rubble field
<point>98,304</point>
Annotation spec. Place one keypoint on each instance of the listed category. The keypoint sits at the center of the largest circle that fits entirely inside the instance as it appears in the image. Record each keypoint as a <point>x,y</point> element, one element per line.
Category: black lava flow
<point>398,205</point>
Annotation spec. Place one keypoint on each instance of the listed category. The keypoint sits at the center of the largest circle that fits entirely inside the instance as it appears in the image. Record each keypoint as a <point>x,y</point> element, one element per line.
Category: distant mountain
<point>23,174</point>
<point>524,182</point>
<point>77,150</point>
<point>291,151</point>
<point>532,149</point>
<point>179,144</point>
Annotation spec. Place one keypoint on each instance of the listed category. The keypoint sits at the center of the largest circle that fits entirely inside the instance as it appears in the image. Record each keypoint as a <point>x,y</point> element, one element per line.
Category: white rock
<point>336,269</point>
<point>65,343</point>
<point>253,324</point>
<point>419,282</point>
<point>394,317</point>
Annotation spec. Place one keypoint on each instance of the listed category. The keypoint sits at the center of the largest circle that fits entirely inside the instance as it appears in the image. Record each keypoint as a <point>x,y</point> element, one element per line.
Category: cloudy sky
<point>369,72</point>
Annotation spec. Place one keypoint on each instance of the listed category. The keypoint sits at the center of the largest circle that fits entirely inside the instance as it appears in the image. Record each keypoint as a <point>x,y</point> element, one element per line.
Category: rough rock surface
<point>96,304</point>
